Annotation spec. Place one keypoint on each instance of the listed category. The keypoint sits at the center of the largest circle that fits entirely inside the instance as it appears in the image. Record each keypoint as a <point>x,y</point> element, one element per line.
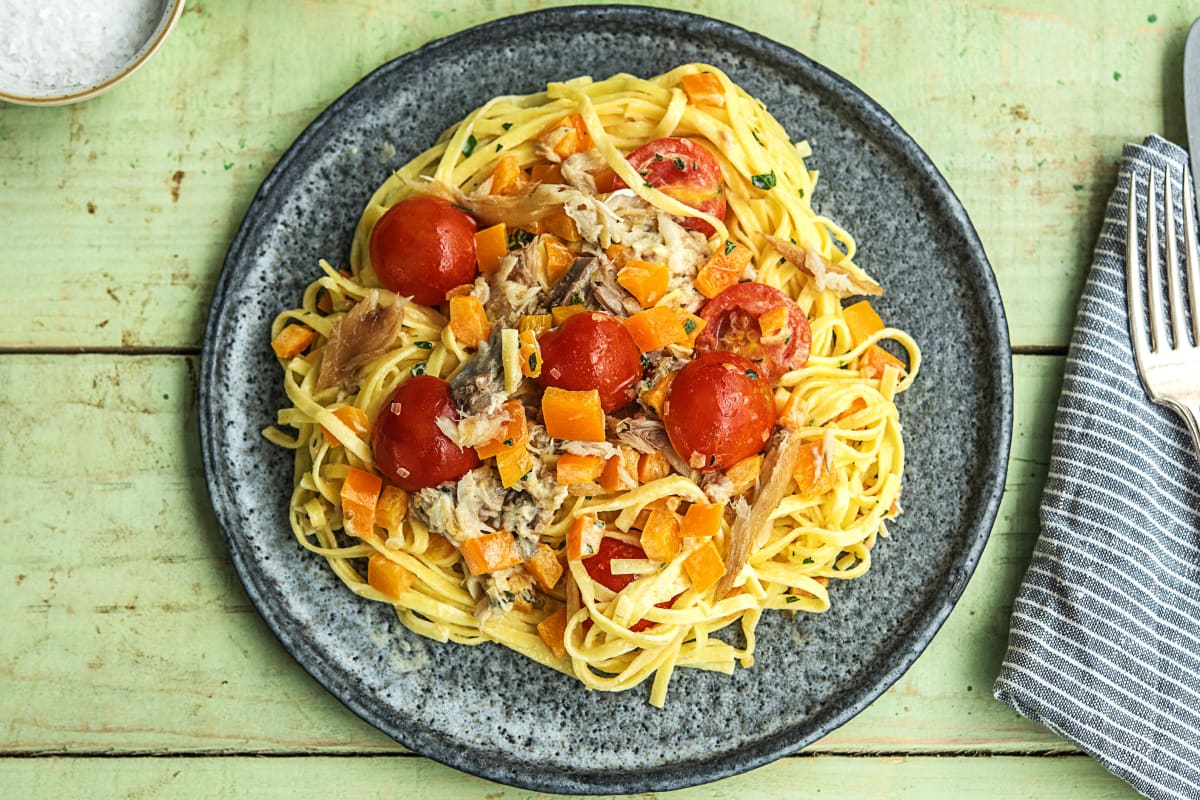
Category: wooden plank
<point>832,777</point>
<point>119,229</point>
<point>127,629</point>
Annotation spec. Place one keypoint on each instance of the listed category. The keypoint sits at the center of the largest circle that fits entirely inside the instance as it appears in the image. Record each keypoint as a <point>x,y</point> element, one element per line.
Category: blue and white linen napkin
<point>1104,646</point>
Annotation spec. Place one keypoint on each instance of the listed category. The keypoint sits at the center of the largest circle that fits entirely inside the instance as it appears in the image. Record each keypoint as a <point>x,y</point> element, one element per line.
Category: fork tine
<point>1175,301</point>
<point>1154,299</point>
<point>1133,279</point>
<point>1192,257</point>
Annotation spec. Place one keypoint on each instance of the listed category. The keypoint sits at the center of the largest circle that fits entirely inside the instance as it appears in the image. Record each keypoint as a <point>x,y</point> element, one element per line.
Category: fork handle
<point>1190,411</point>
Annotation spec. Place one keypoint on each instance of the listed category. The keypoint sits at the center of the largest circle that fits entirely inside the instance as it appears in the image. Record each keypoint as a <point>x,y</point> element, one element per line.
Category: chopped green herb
<point>648,185</point>
<point>590,549</point>
<point>751,374</point>
<point>576,298</point>
<point>519,238</point>
<point>533,362</point>
<point>657,157</point>
<point>599,523</point>
<point>729,246</point>
<point>499,147</point>
<point>463,208</point>
<point>508,442</point>
<point>509,596</point>
<point>800,191</point>
<point>808,561</point>
<point>424,345</point>
<point>689,325</point>
<point>765,181</point>
<point>678,162</point>
<point>506,125</point>
<point>757,138</point>
<point>469,145</point>
<point>791,598</point>
<point>561,545</point>
<point>417,369</point>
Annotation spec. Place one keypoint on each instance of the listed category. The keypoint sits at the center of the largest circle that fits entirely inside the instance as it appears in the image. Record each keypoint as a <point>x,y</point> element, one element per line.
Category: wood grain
<point>128,631</point>
<point>1023,109</point>
<point>131,662</point>
<point>319,778</point>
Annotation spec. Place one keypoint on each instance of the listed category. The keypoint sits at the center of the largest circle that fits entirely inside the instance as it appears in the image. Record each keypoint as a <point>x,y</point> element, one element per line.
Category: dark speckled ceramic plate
<point>486,710</point>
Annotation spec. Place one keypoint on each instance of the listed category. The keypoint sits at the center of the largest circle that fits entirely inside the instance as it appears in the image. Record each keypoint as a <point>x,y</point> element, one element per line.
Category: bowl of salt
<point>54,52</point>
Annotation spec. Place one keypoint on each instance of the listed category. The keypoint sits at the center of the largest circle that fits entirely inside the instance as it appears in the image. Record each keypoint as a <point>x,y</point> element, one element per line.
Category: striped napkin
<point>1104,647</point>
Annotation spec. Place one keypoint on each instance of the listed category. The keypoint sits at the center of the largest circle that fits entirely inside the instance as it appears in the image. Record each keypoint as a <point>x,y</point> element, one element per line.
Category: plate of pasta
<point>652,379</point>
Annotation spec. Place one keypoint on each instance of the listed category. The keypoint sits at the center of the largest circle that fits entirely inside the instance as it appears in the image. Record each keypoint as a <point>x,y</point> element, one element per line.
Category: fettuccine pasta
<point>452,458</point>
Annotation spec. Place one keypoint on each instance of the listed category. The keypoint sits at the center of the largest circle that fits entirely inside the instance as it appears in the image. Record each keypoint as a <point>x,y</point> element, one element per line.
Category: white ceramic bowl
<point>57,57</point>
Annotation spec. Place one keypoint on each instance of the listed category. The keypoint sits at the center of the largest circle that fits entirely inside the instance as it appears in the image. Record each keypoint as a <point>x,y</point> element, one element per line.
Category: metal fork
<point>1169,366</point>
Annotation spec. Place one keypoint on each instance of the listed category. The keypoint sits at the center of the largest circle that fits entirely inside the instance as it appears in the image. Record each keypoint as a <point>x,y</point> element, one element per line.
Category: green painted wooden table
<point>132,663</point>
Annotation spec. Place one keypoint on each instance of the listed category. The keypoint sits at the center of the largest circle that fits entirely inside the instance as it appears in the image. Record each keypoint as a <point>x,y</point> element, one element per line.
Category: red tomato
<point>599,567</point>
<point>423,247</point>
<point>732,323</point>
<point>410,450</point>
<point>718,411</point>
<point>591,350</point>
<point>685,171</point>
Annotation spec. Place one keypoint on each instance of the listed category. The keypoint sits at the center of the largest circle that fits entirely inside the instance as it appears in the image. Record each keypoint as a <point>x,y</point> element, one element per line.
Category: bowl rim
<point>170,16</point>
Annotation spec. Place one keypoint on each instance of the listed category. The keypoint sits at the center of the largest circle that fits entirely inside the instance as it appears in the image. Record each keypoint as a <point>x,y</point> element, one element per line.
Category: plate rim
<point>874,119</point>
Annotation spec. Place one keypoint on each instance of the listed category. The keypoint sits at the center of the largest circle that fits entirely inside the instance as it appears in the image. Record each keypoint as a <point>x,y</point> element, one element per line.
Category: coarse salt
<point>54,47</point>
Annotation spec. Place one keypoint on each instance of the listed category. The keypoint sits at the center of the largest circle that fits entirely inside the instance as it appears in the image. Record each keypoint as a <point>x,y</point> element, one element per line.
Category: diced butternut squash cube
<point>491,245</point>
<point>514,432</point>
<point>353,418</point>
<point>530,353</point>
<point>574,468</point>
<point>774,326</point>
<point>573,415</point>
<point>292,341</point>
<point>645,280</point>
<point>513,464</point>
<point>811,475</point>
<point>490,552</point>
<point>545,567</point>
<point>584,537</point>
<point>692,324</point>
<point>660,536</point>
<point>656,396</point>
<point>704,566</point>
<point>701,520</point>
<point>652,466</point>
<point>359,496</point>
<point>468,322</point>
<point>703,89</point>
<point>875,359</point>
<point>387,577</point>
<point>535,323</point>
<point>558,258</point>
<point>655,328</point>
<point>862,320</point>
<point>507,177</point>
<point>560,314</point>
<point>392,508</point>
<point>723,269</point>
<point>620,471</point>
<point>566,137</point>
<point>553,631</point>
<point>744,473</point>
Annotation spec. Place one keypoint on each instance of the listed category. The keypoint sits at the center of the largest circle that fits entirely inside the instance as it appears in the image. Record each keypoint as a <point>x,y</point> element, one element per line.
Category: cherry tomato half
<point>591,350</point>
<point>732,324</point>
<point>410,450</point>
<point>599,567</point>
<point>687,172</point>
<point>423,247</point>
<point>718,411</point>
